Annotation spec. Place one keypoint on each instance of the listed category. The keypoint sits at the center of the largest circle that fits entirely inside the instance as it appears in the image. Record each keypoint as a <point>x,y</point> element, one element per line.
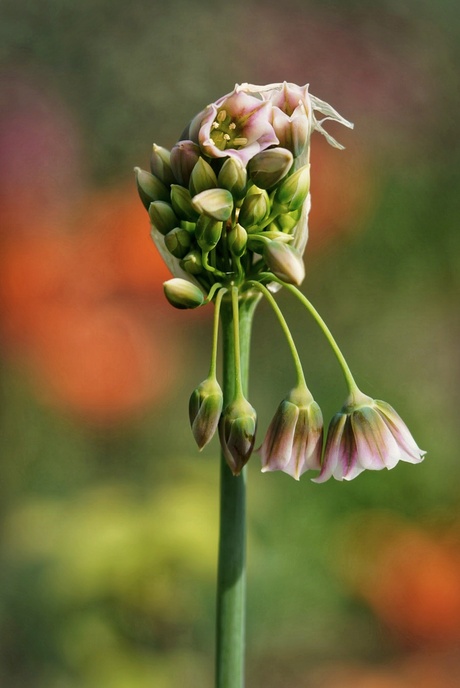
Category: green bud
<point>160,164</point>
<point>257,241</point>
<point>182,203</point>
<point>178,242</point>
<point>192,262</point>
<point>284,261</point>
<point>217,203</point>
<point>237,238</point>
<point>255,209</point>
<point>237,431</point>
<point>203,177</point>
<point>287,221</point>
<point>293,190</point>
<point>183,294</point>
<point>162,216</point>
<point>208,232</point>
<point>233,177</point>
<point>150,188</point>
<point>268,167</point>
<point>205,407</point>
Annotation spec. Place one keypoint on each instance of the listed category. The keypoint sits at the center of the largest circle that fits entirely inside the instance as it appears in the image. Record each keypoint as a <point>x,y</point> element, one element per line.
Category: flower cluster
<point>229,213</point>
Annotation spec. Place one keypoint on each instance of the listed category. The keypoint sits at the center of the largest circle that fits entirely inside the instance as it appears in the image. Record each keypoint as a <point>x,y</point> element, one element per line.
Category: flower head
<point>366,434</point>
<point>294,439</point>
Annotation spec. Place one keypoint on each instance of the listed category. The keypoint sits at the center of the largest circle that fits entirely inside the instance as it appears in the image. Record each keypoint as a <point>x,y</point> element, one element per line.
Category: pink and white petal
<point>332,452</point>
<point>409,449</point>
<point>376,446</point>
<point>276,448</point>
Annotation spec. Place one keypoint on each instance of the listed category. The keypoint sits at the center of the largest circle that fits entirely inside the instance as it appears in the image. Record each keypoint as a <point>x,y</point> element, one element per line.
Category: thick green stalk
<point>231,577</point>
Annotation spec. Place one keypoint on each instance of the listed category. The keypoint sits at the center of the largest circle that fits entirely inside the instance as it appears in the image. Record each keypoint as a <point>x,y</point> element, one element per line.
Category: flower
<point>237,430</point>
<point>294,439</point>
<point>237,125</point>
<point>366,434</point>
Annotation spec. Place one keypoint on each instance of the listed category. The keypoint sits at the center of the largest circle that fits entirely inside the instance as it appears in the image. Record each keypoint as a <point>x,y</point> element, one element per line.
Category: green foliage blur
<point>109,519</point>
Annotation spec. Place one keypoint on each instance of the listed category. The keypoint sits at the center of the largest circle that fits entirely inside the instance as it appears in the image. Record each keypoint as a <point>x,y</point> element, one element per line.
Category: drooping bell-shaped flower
<point>205,407</point>
<point>237,430</point>
<point>294,439</point>
<point>366,434</point>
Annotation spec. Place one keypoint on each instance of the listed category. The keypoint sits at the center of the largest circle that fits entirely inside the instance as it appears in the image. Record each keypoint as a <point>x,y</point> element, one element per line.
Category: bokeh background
<point>108,512</point>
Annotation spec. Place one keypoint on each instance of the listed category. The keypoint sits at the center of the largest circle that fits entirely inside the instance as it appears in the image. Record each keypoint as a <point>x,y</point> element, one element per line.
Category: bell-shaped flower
<point>237,125</point>
<point>294,439</point>
<point>294,113</point>
<point>366,434</point>
<point>284,261</point>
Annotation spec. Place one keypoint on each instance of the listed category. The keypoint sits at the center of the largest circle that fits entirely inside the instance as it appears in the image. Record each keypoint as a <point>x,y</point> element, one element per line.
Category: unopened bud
<point>268,167</point>
<point>237,238</point>
<point>182,203</point>
<point>285,262</point>
<point>183,294</point>
<point>233,177</point>
<point>217,203</point>
<point>184,156</point>
<point>203,177</point>
<point>237,430</point>
<point>205,407</point>
<point>293,190</point>
<point>162,216</point>
<point>192,262</point>
<point>208,232</point>
<point>255,209</point>
<point>178,242</point>
<point>287,221</point>
<point>160,164</point>
<point>150,188</point>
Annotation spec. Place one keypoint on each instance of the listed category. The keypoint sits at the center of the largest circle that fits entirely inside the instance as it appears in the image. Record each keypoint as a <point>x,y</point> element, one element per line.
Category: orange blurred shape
<point>100,361</point>
<point>115,243</point>
<point>409,577</point>
<point>343,191</point>
<point>417,591</point>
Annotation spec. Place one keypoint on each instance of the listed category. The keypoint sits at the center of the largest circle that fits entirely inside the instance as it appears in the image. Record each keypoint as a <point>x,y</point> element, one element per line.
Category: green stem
<point>231,577</point>
<point>215,333</point>
<point>349,379</point>
<point>286,330</point>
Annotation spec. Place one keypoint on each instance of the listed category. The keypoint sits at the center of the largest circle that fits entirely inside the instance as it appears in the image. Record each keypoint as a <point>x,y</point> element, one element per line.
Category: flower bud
<point>150,188</point>
<point>293,190</point>
<point>285,262</point>
<point>205,407</point>
<point>162,216</point>
<point>183,294</point>
<point>237,238</point>
<point>178,242</point>
<point>294,439</point>
<point>233,177</point>
<point>192,263</point>
<point>208,232</point>
<point>257,241</point>
<point>184,156</point>
<point>287,221</point>
<point>203,177</point>
<point>217,203</point>
<point>255,208</point>
<point>237,430</point>
<point>160,164</point>
<point>182,203</point>
<point>268,167</point>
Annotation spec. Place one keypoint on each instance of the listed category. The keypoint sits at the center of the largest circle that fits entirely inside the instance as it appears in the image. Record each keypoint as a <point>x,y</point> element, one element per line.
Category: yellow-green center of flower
<point>226,133</point>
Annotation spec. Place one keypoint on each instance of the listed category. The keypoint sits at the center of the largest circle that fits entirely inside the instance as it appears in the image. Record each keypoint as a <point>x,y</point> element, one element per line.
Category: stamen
<point>215,125</point>
<point>232,125</point>
<point>227,137</point>
<point>221,116</point>
<point>241,141</point>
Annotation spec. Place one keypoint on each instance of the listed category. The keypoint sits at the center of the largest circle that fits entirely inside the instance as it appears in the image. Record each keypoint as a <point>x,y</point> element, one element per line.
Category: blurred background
<point>108,511</point>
